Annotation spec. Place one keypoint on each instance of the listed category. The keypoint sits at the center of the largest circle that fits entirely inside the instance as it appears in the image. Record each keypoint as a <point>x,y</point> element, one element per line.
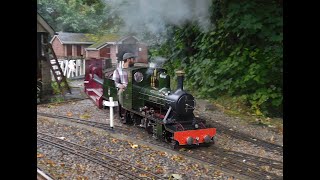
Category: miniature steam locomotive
<point>149,102</point>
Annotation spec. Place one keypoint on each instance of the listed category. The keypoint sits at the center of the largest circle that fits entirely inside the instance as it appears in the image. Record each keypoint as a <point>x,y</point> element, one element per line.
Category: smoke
<point>151,17</point>
<point>155,62</point>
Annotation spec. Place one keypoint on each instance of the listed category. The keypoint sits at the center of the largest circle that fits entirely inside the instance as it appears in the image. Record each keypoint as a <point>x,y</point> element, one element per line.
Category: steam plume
<point>151,16</point>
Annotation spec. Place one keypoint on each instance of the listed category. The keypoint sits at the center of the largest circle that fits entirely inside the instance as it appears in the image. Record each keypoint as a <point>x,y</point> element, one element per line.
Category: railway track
<point>104,126</point>
<point>259,161</point>
<point>239,163</point>
<point>222,129</point>
<point>63,102</point>
<point>42,175</point>
<point>245,137</point>
<point>121,167</point>
<point>252,167</point>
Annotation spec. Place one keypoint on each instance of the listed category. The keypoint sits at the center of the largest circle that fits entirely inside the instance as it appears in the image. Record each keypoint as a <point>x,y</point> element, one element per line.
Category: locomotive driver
<point>120,76</point>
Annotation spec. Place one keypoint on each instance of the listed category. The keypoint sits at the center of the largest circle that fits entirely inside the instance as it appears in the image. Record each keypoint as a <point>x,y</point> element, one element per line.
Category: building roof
<point>104,40</point>
<point>94,41</point>
<point>43,26</point>
<point>127,37</point>
<point>108,39</point>
<point>74,38</point>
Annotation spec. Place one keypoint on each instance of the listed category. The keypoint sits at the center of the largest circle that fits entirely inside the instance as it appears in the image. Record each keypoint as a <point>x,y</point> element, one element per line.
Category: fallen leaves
<point>159,171</point>
<point>81,168</point>
<point>82,178</point>
<point>69,114</point>
<point>40,155</point>
<point>272,139</point>
<point>265,168</point>
<point>162,153</point>
<point>134,146</point>
<point>139,164</point>
<point>143,175</point>
<point>177,158</point>
<point>62,138</point>
<point>114,140</point>
<point>176,176</point>
<point>50,163</point>
<point>66,128</point>
<point>262,152</point>
<point>85,116</point>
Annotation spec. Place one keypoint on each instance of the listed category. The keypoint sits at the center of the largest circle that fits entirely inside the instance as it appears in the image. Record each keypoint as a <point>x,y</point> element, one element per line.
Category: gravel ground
<point>62,165</point>
<point>211,113</point>
<point>85,109</point>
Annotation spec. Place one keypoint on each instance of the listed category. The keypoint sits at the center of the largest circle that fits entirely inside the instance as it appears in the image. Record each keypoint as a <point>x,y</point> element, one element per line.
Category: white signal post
<point>110,104</point>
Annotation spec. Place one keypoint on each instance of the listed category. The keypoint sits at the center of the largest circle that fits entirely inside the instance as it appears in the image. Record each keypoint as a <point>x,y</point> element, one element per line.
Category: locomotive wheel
<point>136,120</point>
<point>209,144</point>
<point>167,136</point>
<point>124,115</point>
<point>120,112</point>
<point>174,144</point>
<point>149,129</point>
<point>126,118</point>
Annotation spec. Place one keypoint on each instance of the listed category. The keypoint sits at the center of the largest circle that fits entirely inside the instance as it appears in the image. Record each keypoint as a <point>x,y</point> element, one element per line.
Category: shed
<point>69,45</point>
<point>113,46</point>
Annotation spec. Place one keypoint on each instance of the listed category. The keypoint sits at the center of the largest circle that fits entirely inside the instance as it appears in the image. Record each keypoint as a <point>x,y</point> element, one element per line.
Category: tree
<point>242,57</point>
<point>85,16</point>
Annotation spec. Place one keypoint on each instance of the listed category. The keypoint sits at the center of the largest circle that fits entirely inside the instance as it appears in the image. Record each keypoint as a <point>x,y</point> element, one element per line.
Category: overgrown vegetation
<point>83,16</point>
<point>55,86</point>
<point>241,58</point>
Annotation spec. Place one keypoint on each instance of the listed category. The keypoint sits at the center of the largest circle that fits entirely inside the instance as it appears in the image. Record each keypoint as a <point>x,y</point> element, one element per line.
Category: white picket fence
<point>70,68</point>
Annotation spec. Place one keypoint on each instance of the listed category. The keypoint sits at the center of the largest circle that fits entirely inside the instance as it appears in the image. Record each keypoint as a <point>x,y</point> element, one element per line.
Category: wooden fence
<point>71,68</point>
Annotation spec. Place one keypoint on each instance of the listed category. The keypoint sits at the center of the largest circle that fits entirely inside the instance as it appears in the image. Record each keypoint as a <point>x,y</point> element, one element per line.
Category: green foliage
<point>241,57</point>
<point>75,15</point>
<point>55,86</point>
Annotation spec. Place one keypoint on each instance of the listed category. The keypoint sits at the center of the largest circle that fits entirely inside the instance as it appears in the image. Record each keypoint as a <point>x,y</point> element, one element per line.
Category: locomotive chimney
<point>180,74</point>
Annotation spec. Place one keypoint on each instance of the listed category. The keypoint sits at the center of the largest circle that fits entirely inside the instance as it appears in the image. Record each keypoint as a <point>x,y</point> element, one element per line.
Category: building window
<point>69,50</point>
<point>79,50</point>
